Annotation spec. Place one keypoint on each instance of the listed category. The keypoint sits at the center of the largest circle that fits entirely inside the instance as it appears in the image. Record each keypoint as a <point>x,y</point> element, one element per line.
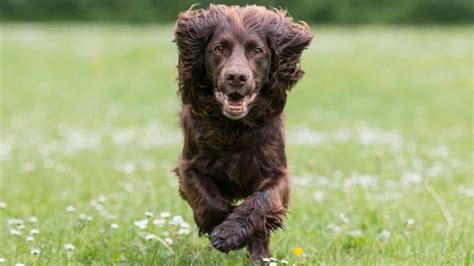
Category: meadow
<point>379,140</point>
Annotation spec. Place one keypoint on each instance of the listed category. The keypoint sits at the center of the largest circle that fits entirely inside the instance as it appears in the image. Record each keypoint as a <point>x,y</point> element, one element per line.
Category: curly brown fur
<point>236,65</point>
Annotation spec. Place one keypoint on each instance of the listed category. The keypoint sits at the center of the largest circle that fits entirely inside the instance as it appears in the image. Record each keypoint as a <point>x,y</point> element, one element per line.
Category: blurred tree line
<point>320,11</point>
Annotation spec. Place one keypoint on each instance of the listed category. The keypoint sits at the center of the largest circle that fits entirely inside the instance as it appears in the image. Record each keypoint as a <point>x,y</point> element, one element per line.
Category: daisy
<point>385,235</point>
<point>15,232</point>
<point>150,237</point>
<point>410,224</point>
<point>35,251</point>
<point>114,226</point>
<point>85,217</point>
<point>178,219</point>
<point>183,231</point>
<point>34,231</point>
<point>69,246</point>
<point>101,198</point>
<point>148,214</point>
<point>159,222</point>
<point>142,224</point>
<point>17,222</point>
<point>165,214</point>
<point>343,218</point>
<point>70,209</point>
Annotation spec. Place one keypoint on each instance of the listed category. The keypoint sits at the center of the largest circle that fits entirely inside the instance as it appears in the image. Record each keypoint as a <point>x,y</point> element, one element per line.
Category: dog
<point>236,66</point>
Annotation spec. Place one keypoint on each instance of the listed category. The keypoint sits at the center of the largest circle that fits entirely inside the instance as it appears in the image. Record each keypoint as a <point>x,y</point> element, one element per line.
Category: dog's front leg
<point>202,194</point>
<point>252,221</point>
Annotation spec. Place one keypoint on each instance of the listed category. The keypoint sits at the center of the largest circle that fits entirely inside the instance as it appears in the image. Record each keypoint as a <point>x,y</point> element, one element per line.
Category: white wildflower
<point>19,264</point>
<point>15,232</point>
<point>385,235</point>
<point>148,214</point>
<point>17,222</point>
<point>30,239</point>
<point>142,224</point>
<point>159,222</point>
<point>410,178</point>
<point>284,261</point>
<point>165,214</point>
<point>150,237</point>
<point>114,226</point>
<point>85,217</point>
<point>336,229</point>
<point>35,251</point>
<point>266,259</point>
<point>34,231</point>
<point>343,218</point>
<point>273,263</point>
<point>70,209</point>
<point>101,198</point>
<point>2,260</point>
<point>183,231</point>
<point>3,205</point>
<point>355,233</point>
<point>69,246</point>
<point>178,219</point>
<point>97,206</point>
<point>468,192</point>
<point>410,224</point>
<point>169,241</point>
<point>33,219</point>
<point>184,225</point>
<point>318,195</point>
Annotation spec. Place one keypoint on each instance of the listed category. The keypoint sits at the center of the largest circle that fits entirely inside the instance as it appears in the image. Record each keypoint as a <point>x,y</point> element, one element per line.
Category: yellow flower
<point>298,251</point>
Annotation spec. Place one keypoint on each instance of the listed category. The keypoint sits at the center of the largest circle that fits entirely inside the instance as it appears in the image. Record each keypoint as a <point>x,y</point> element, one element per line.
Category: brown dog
<point>236,65</point>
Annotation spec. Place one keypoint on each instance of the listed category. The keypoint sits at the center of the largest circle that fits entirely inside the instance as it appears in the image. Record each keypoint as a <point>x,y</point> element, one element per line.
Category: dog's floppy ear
<point>290,39</point>
<point>192,32</point>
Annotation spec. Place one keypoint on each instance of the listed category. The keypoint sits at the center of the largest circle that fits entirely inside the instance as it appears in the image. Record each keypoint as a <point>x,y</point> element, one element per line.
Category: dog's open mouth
<point>234,105</point>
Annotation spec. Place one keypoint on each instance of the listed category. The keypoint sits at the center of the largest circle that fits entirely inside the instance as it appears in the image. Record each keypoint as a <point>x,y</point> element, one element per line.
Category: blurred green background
<point>322,11</point>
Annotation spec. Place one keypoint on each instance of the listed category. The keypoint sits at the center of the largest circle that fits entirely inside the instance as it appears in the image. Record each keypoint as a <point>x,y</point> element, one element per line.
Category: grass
<point>89,120</point>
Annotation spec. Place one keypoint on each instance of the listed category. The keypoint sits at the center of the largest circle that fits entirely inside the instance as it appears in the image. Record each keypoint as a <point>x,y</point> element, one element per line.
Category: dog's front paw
<point>230,235</point>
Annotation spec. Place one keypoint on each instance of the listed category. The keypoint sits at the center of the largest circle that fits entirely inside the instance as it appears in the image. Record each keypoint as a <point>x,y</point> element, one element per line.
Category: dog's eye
<point>257,51</point>
<point>219,49</point>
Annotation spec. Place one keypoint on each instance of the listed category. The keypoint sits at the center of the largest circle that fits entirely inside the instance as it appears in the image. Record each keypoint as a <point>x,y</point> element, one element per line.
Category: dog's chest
<point>240,167</point>
<point>238,172</point>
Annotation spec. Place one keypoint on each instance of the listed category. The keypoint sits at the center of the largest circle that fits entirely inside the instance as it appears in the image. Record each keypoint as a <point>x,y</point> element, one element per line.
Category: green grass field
<point>379,137</point>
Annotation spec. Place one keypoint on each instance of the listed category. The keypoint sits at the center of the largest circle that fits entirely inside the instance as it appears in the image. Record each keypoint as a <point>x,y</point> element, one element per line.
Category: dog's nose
<point>236,77</point>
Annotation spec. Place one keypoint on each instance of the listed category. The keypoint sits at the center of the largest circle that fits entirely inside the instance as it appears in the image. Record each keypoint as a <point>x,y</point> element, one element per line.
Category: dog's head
<point>238,61</point>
